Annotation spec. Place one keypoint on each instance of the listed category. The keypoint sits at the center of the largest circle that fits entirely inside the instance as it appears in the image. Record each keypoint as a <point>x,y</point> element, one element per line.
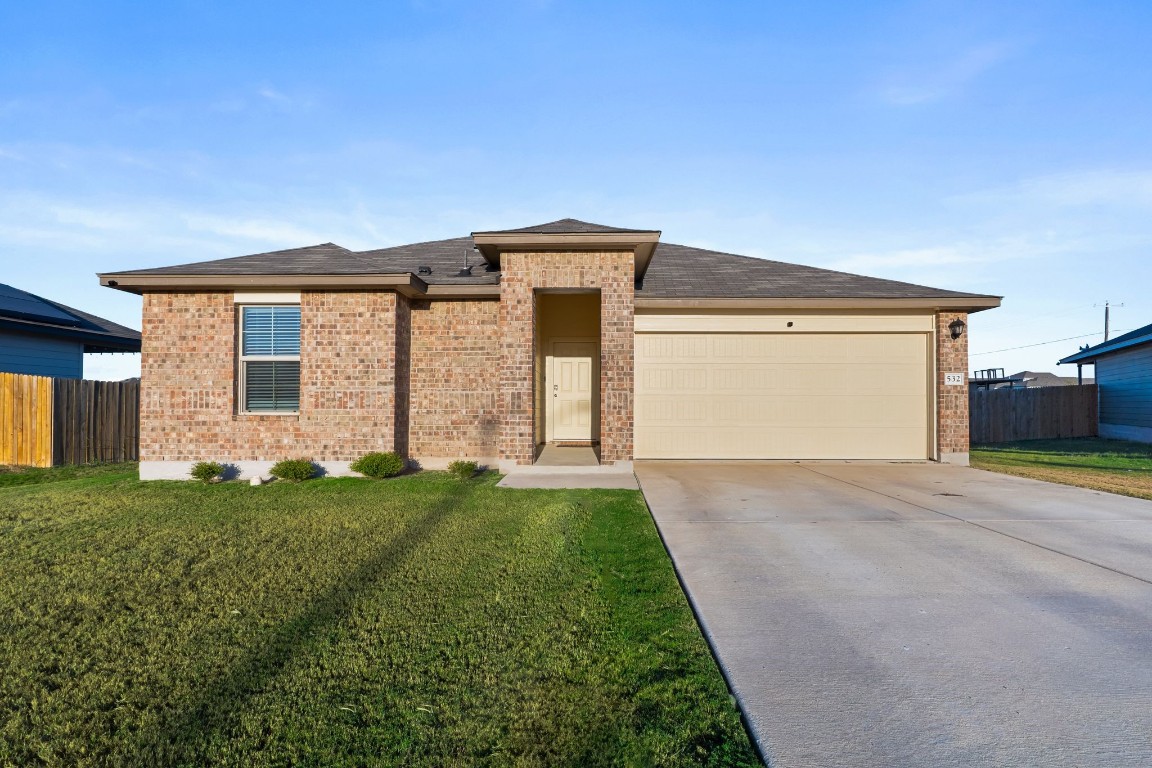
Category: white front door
<point>573,376</point>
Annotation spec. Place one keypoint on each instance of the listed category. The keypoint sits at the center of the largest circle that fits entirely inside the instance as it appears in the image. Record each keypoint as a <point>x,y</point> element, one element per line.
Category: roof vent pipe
<point>467,270</point>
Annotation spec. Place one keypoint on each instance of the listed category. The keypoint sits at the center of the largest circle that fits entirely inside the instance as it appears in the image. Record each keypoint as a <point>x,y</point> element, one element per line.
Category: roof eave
<point>82,335</point>
<point>969,304</point>
<point>406,283</point>
<point>642,244</point>
<point>1091,354</point>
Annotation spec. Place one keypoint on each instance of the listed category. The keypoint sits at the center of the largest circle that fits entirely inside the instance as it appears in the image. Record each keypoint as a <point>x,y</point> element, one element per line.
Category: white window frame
<point>243,360</point>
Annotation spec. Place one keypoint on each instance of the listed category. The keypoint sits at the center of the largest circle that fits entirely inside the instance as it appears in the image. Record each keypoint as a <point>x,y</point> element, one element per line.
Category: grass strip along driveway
<point>417,621</point>
<point>1116,466</point>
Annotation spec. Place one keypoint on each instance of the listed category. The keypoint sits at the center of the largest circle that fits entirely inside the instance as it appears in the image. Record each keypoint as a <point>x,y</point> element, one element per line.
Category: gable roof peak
<point>565,227</point>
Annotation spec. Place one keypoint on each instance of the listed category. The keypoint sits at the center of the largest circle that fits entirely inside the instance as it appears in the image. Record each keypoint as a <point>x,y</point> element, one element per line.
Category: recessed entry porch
<point>567,378</point>
<point>567,384</point>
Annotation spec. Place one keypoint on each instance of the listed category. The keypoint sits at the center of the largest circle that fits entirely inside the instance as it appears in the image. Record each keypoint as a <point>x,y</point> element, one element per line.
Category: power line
<point>1042,343</point>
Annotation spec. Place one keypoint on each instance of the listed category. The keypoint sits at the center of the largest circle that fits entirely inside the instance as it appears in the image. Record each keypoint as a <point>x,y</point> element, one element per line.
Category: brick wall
<point>612,273</point>
<point>951,401</point>
<point>348,403</point>
<point>455,402</point>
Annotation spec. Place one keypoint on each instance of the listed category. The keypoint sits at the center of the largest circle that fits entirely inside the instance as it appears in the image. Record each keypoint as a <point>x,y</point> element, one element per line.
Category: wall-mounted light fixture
<point>956,327</point>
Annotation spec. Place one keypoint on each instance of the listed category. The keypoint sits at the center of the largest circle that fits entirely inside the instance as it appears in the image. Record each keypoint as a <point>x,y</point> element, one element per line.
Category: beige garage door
<point>781,396</point>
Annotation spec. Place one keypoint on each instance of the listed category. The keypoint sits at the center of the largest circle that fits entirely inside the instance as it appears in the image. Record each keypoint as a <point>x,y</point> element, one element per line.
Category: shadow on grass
<point>1072,446</point>
<point>224,699</point>
<point>1046,462</point>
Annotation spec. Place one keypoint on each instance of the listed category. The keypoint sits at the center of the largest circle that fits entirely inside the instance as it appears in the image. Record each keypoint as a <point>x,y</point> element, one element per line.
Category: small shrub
<point>379,465</point>
<point>462,469</point>
<point>207,471</point>
<point>295,470</point>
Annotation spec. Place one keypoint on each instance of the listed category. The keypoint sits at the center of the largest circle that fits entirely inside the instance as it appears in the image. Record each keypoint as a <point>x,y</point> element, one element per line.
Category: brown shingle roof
<point>676,271</point>
<point>679,271</point>
<point>565,227</point>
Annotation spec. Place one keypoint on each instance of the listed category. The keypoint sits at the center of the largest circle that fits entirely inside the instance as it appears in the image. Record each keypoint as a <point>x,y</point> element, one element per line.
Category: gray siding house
<point>45,338</point>
<point>1124,375</point>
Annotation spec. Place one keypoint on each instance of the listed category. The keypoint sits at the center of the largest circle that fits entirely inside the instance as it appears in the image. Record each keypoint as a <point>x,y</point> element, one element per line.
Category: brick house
<point>490,346</point>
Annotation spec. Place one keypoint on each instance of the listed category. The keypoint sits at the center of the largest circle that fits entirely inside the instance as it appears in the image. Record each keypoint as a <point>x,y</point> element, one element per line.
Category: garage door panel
<point>776,396</point>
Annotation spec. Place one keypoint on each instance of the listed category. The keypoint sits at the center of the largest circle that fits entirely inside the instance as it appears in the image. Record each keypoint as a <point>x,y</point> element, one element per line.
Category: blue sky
<point>984,146</point>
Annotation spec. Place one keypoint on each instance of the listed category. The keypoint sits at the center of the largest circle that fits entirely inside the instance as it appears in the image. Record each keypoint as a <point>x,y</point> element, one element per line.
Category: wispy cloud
<point>271,94</point>
<point>269,231</point>
<point>995,250</point>
<point>942,81</point>
<point>1081,188</point>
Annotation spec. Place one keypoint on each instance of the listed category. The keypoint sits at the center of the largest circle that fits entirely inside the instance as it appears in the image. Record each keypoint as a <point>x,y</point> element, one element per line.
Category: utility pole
<point>1107,307</point>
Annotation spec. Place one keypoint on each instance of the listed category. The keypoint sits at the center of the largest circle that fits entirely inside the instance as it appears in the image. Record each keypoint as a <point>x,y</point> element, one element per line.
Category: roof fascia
<point>99,338</point>
<point>406,283</point>
<point>642,244</point>
<point>968,304</point>
<point>1090,355</point>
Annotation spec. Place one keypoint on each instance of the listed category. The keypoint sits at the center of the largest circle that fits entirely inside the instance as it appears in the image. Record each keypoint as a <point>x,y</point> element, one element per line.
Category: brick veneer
<point>456,405</point>
<point>431,379</point>
<point>951,401</point>
<point>348,382</point>
<point>612,274</point>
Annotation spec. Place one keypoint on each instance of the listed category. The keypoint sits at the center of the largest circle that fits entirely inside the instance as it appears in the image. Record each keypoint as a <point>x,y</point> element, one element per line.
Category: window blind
<point>271,331</point>
<point>272,385</point>
<point>270,356</point>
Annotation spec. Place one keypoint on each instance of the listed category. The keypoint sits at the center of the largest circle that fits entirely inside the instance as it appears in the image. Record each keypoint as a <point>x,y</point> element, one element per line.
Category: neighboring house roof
<point>29,313</point>
<point>1131,339</point>
<point>675,271</point>
<point>1044,379</point>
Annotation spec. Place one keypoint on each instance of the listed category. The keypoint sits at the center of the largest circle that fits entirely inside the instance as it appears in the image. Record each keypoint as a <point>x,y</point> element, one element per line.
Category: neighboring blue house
<point>1124,375</point>
<point>44,338</point>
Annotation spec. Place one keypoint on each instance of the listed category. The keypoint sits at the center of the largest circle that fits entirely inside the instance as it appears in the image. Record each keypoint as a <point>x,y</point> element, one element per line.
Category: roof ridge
<point>410,245</point>
<point>566,225</point>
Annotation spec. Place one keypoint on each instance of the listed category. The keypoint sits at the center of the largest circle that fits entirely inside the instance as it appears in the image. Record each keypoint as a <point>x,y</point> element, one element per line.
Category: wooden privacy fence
<point>1040,413</point>
<point>25,420</point>
<point>46,421</point>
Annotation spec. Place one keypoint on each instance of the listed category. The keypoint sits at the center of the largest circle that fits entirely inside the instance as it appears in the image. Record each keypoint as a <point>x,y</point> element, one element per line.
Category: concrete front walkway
<point>918,615</point>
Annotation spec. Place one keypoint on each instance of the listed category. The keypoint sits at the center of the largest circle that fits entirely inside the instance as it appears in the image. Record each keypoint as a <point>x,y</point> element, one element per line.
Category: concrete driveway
<point>918,615</point>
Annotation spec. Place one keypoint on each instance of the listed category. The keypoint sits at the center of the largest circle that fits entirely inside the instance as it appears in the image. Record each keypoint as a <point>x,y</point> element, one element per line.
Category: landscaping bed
<point>1116,466</point>
<point>422,620</point>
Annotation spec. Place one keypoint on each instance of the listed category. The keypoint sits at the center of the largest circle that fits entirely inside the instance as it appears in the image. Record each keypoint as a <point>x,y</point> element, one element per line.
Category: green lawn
<point>1117,466</point>
<point>416,621</point>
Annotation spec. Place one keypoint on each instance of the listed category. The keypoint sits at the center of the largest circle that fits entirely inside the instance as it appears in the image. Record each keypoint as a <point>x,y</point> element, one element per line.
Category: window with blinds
<point>270,359</point>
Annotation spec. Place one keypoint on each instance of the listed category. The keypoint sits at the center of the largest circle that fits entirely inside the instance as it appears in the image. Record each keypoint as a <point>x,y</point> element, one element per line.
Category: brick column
<point>617,363</point>
<point>517,346</point>
<point>951,400</point>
